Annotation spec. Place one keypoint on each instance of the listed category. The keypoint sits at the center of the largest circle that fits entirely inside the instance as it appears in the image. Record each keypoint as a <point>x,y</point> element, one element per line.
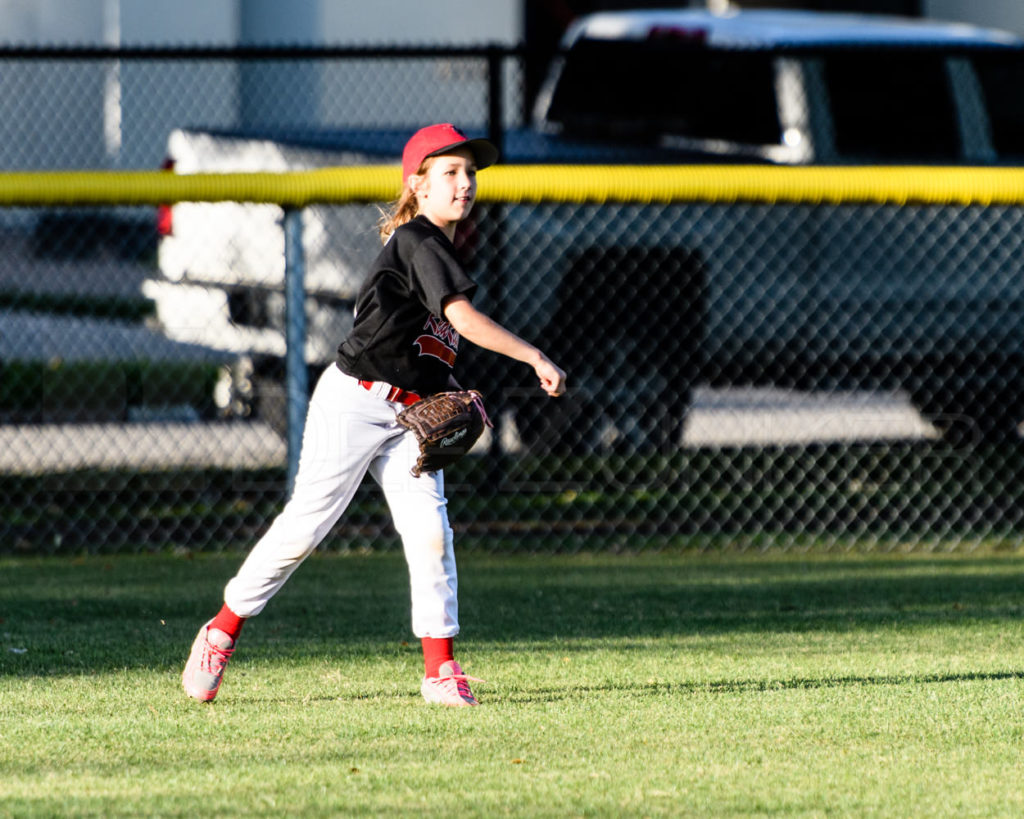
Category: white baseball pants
<point>348,433</point>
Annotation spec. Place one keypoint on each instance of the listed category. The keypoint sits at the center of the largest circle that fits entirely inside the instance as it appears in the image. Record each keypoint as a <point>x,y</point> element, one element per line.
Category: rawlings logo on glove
<point>446,425</point>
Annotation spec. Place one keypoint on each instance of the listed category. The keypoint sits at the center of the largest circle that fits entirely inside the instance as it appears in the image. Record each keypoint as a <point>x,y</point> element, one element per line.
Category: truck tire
<point>628,329</point>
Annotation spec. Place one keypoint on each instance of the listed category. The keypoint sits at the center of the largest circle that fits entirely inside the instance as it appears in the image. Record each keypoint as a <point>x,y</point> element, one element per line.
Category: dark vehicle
<point>686,295</point>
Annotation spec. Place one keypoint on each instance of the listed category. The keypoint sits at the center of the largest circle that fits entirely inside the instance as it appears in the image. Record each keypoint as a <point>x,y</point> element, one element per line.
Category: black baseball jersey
<point>400,334</point>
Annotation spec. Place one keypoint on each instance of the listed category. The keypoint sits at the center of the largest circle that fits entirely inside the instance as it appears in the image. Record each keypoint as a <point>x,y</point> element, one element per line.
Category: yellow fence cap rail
<point>582,184</point>
<point>290,189</point>
<point>896,185</point>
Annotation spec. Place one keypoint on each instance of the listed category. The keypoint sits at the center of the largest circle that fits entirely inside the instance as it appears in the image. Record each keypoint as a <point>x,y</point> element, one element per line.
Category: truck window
<point>645,89</point>
<point>1001,77</point>
<point>888,105</point>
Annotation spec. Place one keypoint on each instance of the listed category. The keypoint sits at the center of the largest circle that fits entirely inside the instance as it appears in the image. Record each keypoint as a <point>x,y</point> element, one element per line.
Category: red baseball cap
<point>435,140</point>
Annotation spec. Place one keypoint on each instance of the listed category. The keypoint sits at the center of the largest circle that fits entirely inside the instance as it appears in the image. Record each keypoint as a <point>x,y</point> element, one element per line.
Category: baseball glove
<point>446,424</point>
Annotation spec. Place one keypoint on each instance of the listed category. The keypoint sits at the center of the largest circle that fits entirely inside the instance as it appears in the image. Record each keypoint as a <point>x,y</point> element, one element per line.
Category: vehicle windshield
<point>631,89</point>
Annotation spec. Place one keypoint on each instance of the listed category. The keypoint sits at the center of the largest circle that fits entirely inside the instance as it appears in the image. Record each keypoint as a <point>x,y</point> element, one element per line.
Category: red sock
<point>228,622</point>
<point>436,651</point>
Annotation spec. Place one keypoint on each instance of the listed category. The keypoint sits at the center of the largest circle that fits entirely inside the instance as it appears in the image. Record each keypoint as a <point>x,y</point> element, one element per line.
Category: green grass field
<point>697,684</point>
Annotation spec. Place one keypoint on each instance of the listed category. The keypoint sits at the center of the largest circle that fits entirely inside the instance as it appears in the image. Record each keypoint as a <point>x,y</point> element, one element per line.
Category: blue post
<point>296,374</point>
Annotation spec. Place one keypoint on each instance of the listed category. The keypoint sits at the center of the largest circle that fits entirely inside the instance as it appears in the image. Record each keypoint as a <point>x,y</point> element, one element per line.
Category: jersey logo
<point>440,341</point>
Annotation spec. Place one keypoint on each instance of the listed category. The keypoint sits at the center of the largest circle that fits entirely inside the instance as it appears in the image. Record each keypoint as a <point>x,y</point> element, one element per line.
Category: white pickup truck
<point>885,299</point>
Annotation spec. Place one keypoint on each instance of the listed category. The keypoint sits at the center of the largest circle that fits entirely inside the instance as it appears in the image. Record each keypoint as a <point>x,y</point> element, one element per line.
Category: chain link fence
<point>801,376</point>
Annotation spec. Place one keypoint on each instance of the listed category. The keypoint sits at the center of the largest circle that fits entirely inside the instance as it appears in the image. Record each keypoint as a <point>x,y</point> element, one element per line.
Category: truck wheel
<point>629,327</point>
<point>270,399</point>
<point>271,403</point>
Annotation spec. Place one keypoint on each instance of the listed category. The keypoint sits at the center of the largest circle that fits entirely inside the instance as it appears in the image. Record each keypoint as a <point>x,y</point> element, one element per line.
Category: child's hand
<point>552,378</point>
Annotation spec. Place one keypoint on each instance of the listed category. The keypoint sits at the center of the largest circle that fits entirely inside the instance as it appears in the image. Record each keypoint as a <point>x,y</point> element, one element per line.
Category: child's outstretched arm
<point>485,332</point>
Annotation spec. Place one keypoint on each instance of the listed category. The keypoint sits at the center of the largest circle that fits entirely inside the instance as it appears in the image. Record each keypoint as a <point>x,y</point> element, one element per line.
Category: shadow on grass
<point>650,597</point>
<point>754,686</point>
<point>61,617</point>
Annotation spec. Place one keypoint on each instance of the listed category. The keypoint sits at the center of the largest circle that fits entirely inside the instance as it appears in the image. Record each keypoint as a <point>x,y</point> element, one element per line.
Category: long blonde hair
<point>403,209</point>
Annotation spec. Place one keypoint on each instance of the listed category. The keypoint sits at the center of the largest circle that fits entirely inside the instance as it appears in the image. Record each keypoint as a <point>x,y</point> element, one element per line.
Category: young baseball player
<point>411,314</point>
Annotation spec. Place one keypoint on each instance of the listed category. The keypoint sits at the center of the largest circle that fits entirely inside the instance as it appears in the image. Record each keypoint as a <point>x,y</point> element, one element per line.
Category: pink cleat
<point>206,663</point>
<point>449,687</point>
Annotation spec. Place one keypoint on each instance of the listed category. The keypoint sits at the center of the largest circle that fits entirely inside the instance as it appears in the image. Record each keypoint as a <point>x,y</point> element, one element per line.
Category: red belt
<point>389,393</point>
